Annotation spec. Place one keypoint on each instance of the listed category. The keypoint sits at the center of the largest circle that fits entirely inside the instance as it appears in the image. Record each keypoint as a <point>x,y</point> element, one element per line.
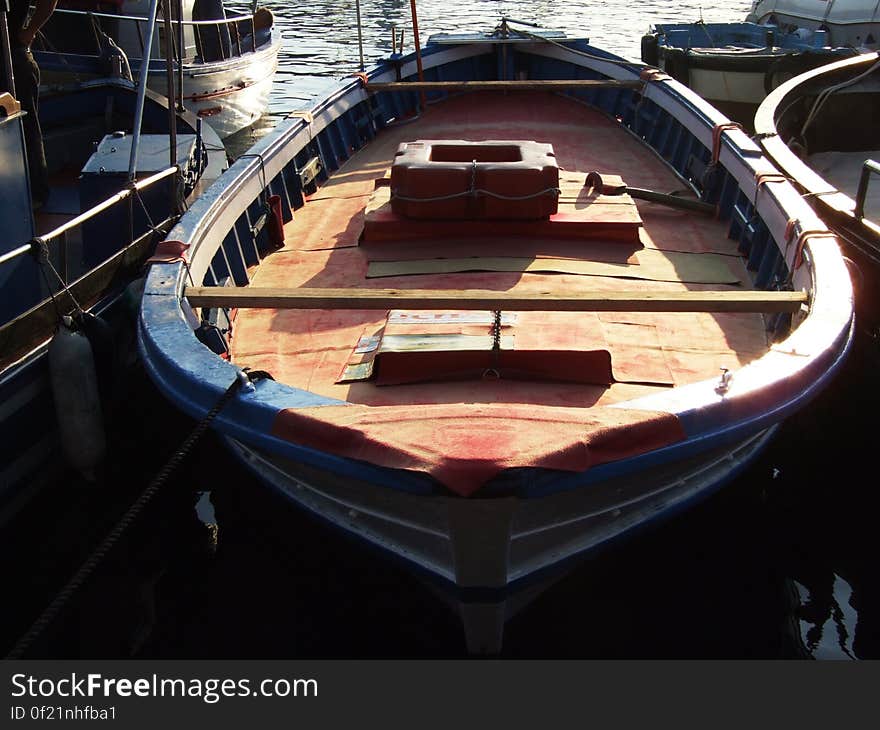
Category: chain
<point>493,372</point>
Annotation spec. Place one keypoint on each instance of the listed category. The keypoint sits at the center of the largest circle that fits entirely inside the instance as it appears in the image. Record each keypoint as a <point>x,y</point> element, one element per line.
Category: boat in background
<point>820,129</point>
<point>67,270</point>
<point>735,65</point>
<point>853,23</point>
<point>228,63</point>
<point>488,341</point>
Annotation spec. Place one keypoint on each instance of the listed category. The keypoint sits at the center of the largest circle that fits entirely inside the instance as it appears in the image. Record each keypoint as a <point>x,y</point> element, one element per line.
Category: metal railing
<point>124,194</point>
<point>204,31</point>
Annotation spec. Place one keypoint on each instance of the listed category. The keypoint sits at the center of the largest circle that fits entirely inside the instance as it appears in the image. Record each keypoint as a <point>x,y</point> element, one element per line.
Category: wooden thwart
<point>596,301</point>
<point>534,85</point>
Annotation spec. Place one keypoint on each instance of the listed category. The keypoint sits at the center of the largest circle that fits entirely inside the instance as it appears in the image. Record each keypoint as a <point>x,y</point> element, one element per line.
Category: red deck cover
<point>463,447</point>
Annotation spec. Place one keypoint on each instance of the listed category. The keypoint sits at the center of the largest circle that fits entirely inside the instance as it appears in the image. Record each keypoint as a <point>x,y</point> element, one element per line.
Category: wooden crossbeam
<point>533,85</point>
<point>467,299</point>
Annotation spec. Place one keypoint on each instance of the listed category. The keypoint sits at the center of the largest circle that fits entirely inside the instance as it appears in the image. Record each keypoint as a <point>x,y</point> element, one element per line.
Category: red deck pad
<point>464,446</point>
<point>397,368</point>
<point>536,346</point>
<point>613,252</point>
<point>431,179</point>
<point>580,215</point>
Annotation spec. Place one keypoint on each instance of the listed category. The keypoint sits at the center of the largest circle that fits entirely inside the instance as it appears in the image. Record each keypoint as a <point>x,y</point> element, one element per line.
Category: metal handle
<point>869,167</point>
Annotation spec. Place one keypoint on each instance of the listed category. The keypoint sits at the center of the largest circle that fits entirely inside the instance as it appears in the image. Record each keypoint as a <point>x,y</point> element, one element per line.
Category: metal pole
<point>142,90</point>
<point>415,24</point>
<point>7,49</point>
<point>169,77</point>
<point>181,51</point>
<point>357,5</point>
<point>172,117</point>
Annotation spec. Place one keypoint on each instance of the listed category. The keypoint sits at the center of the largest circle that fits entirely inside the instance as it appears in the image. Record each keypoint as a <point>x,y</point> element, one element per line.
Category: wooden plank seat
<point>511,85</point>
<point>586,301</point>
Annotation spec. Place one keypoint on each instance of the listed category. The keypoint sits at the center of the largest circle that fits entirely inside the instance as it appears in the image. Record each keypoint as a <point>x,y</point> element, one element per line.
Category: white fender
<point>77,400</point>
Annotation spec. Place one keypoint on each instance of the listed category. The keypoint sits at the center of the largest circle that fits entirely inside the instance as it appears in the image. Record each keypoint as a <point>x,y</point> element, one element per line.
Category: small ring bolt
<point>724,383</point>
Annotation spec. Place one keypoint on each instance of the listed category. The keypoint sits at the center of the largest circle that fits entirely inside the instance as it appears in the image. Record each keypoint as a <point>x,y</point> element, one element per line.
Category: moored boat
<point>735,65</point>
<point>225,69</point>
<point>820,130</point>
<point>853,23</point>
<point>66,266</point>
<point>529,297</point>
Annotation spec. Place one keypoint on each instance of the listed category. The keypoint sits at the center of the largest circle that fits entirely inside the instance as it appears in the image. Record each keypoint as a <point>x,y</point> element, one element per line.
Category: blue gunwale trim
<point>191,376</point>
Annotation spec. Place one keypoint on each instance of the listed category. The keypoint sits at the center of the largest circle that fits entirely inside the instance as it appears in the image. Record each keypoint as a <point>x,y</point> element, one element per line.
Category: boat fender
<point>276,221</point>
<point>100,337</point>
<point>677,64</point>
<point>77,399</point>
<point>779,71</point>
<point>650,49</point>
<point>114,60</point>
<point>132,296</point>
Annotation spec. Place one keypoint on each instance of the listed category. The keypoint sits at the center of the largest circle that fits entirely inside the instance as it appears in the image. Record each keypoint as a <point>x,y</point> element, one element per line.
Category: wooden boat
<point>819,129</point>
<point>735,65</point>
<point>79,253</point>
<point>482,387</point>
<point>228,62</point>
<point>854,23</point>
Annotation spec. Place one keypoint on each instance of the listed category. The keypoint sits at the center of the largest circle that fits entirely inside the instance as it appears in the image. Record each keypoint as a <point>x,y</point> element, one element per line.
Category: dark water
<point>779,564</point>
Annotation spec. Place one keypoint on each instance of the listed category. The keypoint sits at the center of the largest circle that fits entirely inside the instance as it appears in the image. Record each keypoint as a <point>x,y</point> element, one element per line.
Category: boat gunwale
<point>826,195</point>
<point>194,377</point>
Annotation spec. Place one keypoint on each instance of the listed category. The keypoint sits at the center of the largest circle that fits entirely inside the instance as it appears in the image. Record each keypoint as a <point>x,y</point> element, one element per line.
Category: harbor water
<point>777,565</point>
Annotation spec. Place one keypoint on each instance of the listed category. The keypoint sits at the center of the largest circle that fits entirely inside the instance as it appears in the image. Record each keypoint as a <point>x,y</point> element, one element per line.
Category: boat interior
<point>347,236</point>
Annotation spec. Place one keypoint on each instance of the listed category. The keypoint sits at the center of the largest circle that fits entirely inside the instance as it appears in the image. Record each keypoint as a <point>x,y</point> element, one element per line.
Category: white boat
<point>227,67</point>
<point>854,23</point>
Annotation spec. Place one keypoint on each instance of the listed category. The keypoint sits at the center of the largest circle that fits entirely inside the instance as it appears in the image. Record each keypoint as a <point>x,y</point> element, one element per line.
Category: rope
<point>264,193</point>
<point>40,250</point>
<point>150,224</point>
<point>476,191</point>
<point>88,567</point>
<point>717,131</point>
<point>826,93</point>
<point>803,236</point>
